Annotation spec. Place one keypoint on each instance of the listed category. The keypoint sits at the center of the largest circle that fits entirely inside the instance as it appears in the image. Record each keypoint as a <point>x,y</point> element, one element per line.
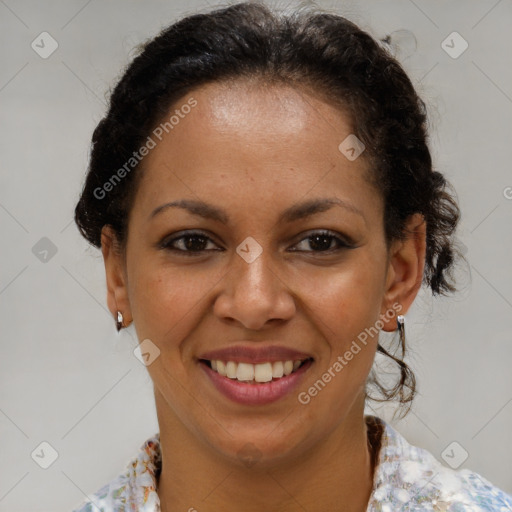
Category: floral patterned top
<point>406,478</point>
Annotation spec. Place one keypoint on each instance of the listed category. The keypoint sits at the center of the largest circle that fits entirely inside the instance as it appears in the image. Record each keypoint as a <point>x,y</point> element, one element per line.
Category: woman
<point>264,199</point>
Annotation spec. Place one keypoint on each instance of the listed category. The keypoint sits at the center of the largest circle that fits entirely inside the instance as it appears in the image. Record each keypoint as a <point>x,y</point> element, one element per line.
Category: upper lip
<point>255,355</point>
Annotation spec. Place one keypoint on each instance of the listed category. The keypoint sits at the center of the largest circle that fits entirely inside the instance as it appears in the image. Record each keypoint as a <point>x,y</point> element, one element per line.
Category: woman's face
<point>257,281</point>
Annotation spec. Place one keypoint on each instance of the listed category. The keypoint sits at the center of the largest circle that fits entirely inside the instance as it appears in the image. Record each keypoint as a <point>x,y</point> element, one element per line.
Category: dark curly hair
<point>310,50</point>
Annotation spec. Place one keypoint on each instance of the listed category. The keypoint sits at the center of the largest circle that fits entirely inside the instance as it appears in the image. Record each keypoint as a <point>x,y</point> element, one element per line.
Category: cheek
<point>344,305</point>
<point>167,301</point>
<point>346,299</point>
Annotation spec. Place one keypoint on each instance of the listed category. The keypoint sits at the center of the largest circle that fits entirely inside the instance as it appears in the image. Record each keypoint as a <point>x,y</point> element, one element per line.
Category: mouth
<point>255,384</point>
<point>259,373</point>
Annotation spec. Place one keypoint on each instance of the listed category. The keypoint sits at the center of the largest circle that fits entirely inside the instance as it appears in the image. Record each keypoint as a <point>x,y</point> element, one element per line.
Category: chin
<point>262,448</point>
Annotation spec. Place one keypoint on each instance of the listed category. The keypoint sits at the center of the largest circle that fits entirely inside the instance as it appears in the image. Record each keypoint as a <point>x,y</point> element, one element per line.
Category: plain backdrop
<point>69,380</point>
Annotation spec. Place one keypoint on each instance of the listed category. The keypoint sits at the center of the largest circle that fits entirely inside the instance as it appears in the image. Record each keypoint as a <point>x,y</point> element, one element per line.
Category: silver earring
<point>400,321</point>
<point>119,321</point>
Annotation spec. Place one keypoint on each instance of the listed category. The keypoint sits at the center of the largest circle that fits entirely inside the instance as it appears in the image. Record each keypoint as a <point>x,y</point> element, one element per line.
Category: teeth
<point>261,372</point>
<point>277,370</point>
<point>245,371</point>
<point>231,369</point>
<point>221,367</point>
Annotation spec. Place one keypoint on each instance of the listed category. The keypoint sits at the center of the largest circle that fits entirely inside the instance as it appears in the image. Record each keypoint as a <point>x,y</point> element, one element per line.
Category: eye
<point>191,243</point>
<point>195,242</point>
<point>321,241</point>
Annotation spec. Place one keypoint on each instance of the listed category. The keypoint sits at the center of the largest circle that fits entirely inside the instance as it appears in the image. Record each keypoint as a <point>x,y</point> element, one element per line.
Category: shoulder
<point>411,477</point>
<point>133,489</point>
<point>111,497</point>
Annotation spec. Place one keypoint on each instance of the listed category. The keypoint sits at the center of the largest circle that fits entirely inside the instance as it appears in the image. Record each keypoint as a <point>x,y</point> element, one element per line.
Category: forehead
<point>269,108</point>
<point>245,138</point>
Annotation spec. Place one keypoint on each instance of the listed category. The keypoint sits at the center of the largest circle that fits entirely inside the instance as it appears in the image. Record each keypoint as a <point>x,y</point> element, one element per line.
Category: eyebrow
<point>291,214</point>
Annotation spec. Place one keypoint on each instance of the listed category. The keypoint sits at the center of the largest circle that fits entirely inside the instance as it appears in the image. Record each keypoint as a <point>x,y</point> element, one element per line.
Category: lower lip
<point>258,393</point>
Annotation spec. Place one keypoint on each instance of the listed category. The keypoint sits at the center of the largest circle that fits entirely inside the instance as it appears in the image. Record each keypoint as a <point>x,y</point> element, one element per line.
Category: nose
<point>255,293</point>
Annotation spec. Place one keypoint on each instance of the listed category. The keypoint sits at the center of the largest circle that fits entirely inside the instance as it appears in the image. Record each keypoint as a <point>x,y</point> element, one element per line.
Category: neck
<point>335,474</point>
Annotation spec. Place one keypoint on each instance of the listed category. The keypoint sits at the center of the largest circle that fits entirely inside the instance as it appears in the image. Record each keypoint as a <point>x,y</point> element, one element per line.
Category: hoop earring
<point>119,321</point>
<point>400,321</point>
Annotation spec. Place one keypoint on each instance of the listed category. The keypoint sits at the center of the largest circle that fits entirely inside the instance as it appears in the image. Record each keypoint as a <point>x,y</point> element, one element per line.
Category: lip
<point>258,393</point>
<point>255,355</point>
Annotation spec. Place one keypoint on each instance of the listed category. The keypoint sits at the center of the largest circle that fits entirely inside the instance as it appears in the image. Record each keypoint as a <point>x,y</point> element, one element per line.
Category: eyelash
<point>167,244</point>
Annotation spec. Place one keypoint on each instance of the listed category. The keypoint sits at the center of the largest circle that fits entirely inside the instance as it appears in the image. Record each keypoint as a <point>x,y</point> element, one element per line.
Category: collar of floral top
<point>406,478</point>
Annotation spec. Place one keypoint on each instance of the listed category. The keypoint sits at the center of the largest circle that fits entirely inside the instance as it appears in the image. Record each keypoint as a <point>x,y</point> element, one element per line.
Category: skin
<point>255,151</point>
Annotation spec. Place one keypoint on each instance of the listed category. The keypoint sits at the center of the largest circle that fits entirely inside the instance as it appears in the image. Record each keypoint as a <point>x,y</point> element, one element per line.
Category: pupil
<point>324,238</point>
<point>191,246</point>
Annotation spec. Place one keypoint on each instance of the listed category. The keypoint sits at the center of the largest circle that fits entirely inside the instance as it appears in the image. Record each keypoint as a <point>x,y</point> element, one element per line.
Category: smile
<point>255,373</point>
<point>255,384</point>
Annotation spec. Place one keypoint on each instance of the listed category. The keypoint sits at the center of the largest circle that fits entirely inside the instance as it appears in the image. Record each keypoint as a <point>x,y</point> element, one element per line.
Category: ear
<point>405,270</point>
<point>115,272</point>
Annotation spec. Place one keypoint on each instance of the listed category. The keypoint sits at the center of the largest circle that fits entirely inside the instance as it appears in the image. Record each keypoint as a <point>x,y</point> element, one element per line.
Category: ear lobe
<point>406,267</point>
<point>117,296</point>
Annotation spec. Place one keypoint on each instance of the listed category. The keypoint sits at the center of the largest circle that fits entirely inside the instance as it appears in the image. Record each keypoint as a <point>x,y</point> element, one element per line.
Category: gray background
<point>68,379</point>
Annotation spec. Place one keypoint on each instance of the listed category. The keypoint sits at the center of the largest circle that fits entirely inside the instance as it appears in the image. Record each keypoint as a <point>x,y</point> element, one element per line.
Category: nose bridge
<point>254,292</point>
<point>254,269</point>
